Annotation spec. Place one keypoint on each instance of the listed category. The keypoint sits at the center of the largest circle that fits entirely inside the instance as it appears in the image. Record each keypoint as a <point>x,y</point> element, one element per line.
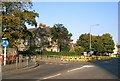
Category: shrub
<point>27,52</point>
<point>60,53</point>
<point>104,57</point>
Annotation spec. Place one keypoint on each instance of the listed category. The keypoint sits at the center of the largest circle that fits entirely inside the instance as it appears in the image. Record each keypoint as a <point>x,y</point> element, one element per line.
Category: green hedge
<point>104,57</point>
<point>27,52</point>
<point>60,53</point>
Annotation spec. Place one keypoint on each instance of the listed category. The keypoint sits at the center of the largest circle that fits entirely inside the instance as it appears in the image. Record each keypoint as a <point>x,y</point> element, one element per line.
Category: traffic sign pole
<point>5,44</point>
<point>4,56</point>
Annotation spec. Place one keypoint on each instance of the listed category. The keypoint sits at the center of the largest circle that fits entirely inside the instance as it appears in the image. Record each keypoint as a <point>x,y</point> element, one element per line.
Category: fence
<point>52,58</point>
<point>25,62</point>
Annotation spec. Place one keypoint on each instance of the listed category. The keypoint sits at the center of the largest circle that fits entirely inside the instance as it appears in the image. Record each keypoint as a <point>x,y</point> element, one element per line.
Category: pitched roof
<point>35,29</point>
<point>32,29</point>
<point>47,29</point>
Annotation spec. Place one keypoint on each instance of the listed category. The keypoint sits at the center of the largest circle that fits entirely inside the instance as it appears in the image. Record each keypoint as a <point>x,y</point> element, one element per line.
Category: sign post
<point>5,44</point>
<point>4,56</point>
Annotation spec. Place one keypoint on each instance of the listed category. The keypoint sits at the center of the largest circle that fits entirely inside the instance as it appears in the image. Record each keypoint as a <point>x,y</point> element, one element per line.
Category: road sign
<point>5,43</point>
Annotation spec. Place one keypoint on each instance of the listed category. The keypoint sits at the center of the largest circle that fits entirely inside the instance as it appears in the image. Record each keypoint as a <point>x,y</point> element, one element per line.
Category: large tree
<point>61,36</point>
<point>108,43</point>
<point>99,44</point>
<point>15,16</point>
<point>84,41</point>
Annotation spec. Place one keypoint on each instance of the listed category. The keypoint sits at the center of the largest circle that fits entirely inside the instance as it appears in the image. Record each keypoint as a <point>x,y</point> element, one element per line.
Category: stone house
<point>41,41</point>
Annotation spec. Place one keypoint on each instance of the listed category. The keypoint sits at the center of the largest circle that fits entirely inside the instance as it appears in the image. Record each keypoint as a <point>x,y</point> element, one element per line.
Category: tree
<point>100,44</point>
<point>15,15</point>
<point>79,49</point>
<point>97,45</point>
<point>108,43</point>
<point>61,36</point>
<point>83,41</point>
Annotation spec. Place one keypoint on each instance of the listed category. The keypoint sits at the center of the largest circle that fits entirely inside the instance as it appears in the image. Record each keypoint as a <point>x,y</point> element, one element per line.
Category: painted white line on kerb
<point>52,76</point>
<point>85,66</point>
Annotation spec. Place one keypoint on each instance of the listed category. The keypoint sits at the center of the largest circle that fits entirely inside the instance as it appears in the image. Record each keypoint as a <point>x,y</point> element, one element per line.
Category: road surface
<point>67,70</point>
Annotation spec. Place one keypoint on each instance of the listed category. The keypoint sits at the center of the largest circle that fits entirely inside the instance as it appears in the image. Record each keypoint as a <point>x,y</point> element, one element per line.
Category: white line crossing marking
<point>85,66</point>
<point>52,76</point>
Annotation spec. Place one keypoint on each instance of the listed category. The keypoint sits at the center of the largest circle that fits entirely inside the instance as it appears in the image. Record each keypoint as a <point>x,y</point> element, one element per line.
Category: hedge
<point>60,53</point>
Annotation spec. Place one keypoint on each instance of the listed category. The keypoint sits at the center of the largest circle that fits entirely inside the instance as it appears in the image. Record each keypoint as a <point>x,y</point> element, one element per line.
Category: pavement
<point>20,67</point>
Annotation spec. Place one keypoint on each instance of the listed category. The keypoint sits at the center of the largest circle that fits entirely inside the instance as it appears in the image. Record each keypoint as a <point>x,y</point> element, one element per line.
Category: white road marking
<point>52,76</point>
<point>75,69</point>
<point>88,66</point>
<point>85,66</point>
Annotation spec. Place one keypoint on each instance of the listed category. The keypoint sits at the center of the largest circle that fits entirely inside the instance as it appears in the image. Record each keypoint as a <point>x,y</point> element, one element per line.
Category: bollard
<point>27,61</point>
<point>16,62</point>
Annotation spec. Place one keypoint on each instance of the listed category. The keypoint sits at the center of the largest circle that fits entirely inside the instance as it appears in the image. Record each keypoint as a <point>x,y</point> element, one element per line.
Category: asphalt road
<point>68,70</point>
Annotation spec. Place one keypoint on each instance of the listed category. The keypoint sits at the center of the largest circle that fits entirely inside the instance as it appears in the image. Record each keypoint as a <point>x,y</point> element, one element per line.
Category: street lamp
<point>90,34</point>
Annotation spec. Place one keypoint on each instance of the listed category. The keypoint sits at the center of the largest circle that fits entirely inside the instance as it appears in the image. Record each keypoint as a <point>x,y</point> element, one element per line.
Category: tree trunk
<point>60,47</point>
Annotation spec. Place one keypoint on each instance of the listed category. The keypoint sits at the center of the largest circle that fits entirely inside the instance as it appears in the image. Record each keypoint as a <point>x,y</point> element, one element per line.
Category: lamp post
<point>90,34</point>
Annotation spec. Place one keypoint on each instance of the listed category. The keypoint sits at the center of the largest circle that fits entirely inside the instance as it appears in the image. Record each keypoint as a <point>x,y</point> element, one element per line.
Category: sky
<point>77,17</point>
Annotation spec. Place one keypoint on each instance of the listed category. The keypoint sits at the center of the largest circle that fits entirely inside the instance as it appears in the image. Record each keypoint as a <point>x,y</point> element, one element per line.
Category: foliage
<point>27,52</point>
<point>79,49</point>
<point>104,57</point>
<point>83,41</point>
<point>60,53</point>
<point>100,44</point>
<point>108,43</point>
<point>61,36</point>
<point>14,19</point>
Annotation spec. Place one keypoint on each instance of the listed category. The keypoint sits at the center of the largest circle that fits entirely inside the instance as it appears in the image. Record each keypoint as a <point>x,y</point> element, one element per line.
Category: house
<point>115,51</point>
<point>118,46</point>
<point>43,39</point>
<point>35,41</point>
<point>72,47</point>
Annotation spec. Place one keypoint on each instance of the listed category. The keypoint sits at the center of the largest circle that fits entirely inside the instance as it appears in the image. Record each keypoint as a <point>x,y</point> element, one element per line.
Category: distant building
<point>118,46</point>
<point>72,46</point>
<point>115,51</point>
<point>41,41</point>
